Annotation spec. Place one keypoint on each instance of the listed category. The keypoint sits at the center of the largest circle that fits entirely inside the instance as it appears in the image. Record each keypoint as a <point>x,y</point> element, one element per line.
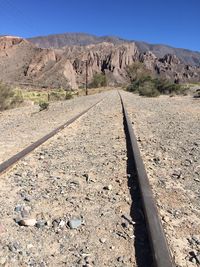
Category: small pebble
<point>125,224</point>
<point>24,213</point>
<point>120,259</point>
<point>108,187</point>
<point>27,222</point>
<point>75,223</point>
<point>40,224</point>
<point>102,240</point>
<point>62,224</point>
<point>166,219</point>
<point>18,208</point>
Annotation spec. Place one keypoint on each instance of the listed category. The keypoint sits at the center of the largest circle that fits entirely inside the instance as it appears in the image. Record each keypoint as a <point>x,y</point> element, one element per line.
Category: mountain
<point>70,39</point>
<point>23,63</point>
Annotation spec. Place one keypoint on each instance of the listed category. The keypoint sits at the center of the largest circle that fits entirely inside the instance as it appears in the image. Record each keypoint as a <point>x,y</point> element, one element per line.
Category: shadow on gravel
<point>141,243</point>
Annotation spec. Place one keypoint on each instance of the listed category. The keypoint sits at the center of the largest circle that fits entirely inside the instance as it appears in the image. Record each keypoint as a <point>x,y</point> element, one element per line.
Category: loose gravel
<point>69,202</point>
<point>73,202</point>
<point>21,126</point>
<point>168,133</point>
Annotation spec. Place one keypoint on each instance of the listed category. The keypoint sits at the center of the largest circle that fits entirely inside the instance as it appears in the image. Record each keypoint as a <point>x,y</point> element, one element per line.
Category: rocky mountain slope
<point>22,62</point>
<point>188,57</point>
<point>66,39</point>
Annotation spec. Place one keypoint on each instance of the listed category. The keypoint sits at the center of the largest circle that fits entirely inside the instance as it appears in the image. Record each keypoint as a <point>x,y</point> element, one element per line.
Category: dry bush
<point>6,95</point>
<point>43,105</point>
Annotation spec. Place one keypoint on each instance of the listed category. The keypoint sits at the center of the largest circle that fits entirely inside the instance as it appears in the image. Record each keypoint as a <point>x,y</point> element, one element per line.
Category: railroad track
<point>20,155</point>
<point>159,247</point>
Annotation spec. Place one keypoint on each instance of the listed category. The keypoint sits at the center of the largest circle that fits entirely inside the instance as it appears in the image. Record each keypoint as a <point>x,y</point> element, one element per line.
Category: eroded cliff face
<point>22,62</point>
<point>170,67</point>
<point>7,42</point>
<point>104,57</point>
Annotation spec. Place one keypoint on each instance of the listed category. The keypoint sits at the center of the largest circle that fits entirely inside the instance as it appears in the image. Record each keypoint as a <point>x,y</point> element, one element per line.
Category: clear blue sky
<point>173,22</point>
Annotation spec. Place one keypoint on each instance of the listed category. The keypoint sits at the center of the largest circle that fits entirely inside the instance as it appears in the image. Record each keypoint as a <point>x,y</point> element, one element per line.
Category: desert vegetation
<point>8,97</point>
<point>48,96</point>
<point>98,80</point>
<point>43,105</point>
<point>142,81</point>
<point>14,97</point>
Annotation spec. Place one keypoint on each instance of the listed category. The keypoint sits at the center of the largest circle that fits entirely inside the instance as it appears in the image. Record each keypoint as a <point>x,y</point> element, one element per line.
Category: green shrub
<point>137,71</point>
<point>148,88</point>
<point>17,98</point>
<point>56,95</point>
<point>68,95</point>
<point>166,87</point>
<point>43,105</point>
<point>99,80</point>
<point>143,82</point>
<point>60,94</point>
<point>6,94</point>
<point>134,86</point>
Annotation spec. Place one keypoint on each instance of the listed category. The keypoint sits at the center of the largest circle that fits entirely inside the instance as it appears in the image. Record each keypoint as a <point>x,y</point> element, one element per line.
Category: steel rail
<point>159,246</point>
<point>14,159</point>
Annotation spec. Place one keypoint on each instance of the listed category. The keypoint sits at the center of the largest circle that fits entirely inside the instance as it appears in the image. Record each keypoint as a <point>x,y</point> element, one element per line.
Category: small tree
<point>99,80</point>
<point>144,83</point>
<point>148,89</point>
<point>137,71</point>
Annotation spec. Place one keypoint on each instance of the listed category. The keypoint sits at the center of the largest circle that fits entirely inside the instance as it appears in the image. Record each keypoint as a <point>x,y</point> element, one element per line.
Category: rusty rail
<point>159,247</point>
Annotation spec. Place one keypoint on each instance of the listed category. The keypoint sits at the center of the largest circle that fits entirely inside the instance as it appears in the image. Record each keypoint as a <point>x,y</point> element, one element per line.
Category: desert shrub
<point>148,88</point>
<point>17,98</point>
<point>43,105</point>
<point>60,94</point>
<point>138,83</point>
<point>35,96</point>
<point>6,94</point>
<point>164,86</point>
<point>144,83</point>
<point>197,94</point>
<point>99,80</point>
<point>57,95</point>
<point>68,95</point>
<point>137,71</point>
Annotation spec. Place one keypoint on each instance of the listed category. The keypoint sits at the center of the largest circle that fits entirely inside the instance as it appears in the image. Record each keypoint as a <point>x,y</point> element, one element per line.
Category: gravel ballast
<point>70,202</point>
<point>21,126</point>
<point>168,133</point>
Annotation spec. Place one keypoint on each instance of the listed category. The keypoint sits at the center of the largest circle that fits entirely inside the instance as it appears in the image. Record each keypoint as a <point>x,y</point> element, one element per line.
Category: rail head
<point>159,246</point>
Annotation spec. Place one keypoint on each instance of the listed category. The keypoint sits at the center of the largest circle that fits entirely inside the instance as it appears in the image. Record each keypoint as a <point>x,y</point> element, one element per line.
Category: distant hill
<point>66,39</point>
<point>188,57</point>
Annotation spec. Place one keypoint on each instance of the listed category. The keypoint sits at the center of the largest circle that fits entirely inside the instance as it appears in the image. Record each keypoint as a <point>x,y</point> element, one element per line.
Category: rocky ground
<point>168,132</point>
<point>19,127</point>
<point>69,203</point>
<point>74,201</point>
